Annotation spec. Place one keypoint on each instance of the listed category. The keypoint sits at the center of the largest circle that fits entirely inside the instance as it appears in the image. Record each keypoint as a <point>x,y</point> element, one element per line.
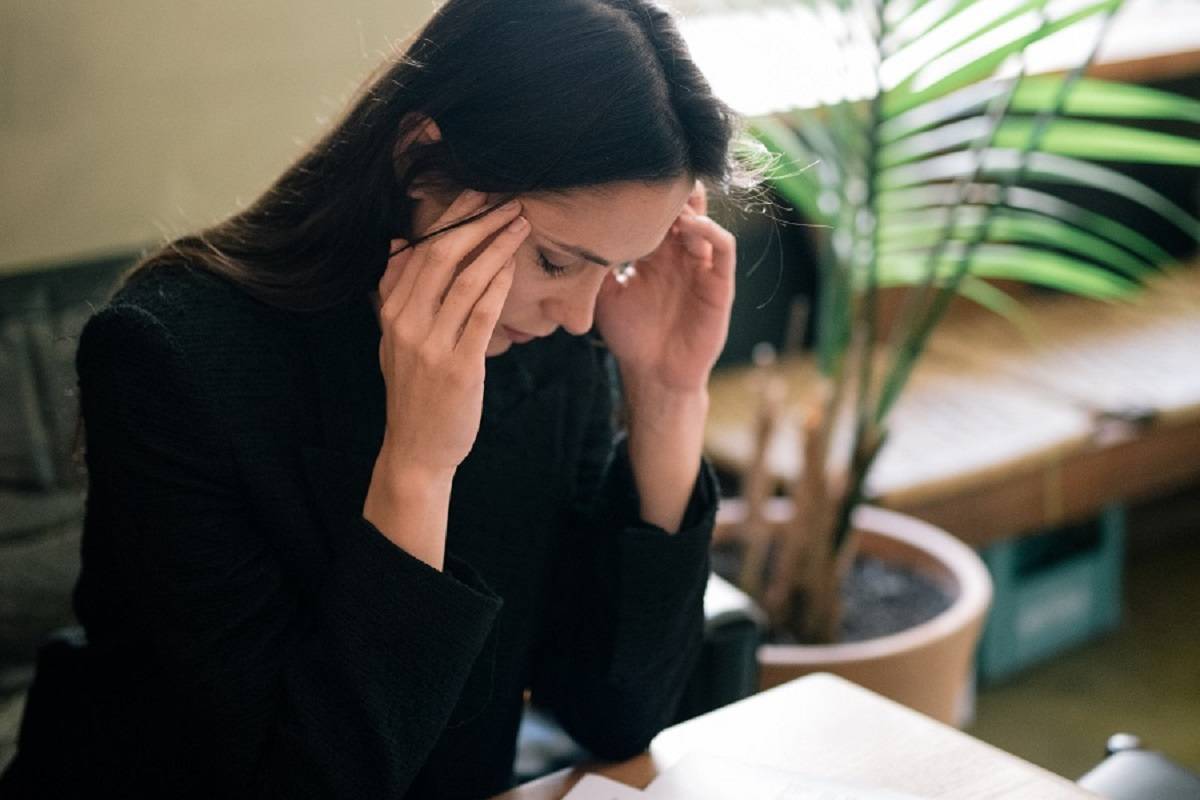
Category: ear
<point>418,129</point>
<point>427,131</point>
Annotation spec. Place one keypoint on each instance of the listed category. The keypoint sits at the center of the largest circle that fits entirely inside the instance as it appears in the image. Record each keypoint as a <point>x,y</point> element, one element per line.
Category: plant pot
<point>927,667</point>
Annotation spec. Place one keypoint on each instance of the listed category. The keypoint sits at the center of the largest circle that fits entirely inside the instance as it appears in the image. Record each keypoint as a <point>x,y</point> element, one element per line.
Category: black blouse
<point>251,634</point>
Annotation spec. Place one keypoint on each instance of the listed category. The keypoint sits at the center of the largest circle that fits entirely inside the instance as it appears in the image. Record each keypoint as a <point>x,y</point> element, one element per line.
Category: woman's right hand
<point>436,321</point>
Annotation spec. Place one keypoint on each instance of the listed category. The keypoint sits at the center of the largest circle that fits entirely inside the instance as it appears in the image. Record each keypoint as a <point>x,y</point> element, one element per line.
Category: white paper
<point>703,776</point>
<point>597,787</point>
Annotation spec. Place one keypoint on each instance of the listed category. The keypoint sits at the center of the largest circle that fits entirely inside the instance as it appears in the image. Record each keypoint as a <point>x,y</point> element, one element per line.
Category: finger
<point>395,267</point>
<point>724,246</point>
<point>444,254</point>
<point>608,288</point>
<point>473,282</point>
<point>693,238</point>
<point>467,203</point>
<point>481,324</point>
<point>698,199</point>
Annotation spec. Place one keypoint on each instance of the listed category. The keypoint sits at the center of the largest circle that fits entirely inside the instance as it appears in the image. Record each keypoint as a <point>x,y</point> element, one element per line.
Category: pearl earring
<point>625,273</point>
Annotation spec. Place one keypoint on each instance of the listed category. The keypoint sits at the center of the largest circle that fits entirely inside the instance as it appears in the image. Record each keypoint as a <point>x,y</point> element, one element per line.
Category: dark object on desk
<point>1133,773</point>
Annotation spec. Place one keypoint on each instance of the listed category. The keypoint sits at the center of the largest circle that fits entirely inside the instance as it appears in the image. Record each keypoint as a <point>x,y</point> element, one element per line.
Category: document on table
<point>703,776</point>
<point>598,787</point>
<point>707,776</point>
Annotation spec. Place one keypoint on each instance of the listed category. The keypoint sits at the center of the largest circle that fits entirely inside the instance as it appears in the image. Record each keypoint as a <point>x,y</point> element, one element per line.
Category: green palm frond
<point>1088,98</point>
<point>1078,138</point>
<point>981,52</point>
<point>917,231</point>
<point>962,169</point>
<point>1057,210</point>
<point>1040,167</point>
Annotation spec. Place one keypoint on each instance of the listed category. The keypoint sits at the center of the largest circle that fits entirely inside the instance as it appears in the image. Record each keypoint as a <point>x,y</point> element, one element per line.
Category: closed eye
<point>549,267</point>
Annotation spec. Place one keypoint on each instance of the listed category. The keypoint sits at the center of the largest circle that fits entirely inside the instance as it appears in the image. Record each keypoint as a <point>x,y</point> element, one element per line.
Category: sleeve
<point>627,601</point>
<point>339,694</point>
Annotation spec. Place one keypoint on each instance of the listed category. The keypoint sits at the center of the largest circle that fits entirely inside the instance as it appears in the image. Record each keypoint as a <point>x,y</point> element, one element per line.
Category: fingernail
<point>511,205</point>
<point>472,196</point>
<point>519,224</point>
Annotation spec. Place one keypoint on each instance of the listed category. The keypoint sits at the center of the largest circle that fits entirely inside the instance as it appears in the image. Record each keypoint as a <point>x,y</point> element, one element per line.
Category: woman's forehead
<point>616,222</point>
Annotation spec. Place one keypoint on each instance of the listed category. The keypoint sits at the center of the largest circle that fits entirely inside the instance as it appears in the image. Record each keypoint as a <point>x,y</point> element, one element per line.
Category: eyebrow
<point>582,253</point>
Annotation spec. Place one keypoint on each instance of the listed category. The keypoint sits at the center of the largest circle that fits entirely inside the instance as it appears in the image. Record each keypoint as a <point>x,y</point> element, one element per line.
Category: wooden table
<point>828,728</point>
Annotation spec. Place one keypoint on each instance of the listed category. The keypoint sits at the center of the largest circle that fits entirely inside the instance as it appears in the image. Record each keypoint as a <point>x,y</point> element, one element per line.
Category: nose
<point>574,308</point>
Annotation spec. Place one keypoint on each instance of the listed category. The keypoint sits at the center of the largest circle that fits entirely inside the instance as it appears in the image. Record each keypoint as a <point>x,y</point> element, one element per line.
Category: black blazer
<point>250,634</point>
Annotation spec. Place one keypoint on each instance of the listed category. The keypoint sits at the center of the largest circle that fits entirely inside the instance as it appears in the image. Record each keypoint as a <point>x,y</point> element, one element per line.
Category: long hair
<point>528,95</point>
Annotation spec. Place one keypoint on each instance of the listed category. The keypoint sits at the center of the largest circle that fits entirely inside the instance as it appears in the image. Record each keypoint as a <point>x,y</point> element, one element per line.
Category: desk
<point>829,728</point>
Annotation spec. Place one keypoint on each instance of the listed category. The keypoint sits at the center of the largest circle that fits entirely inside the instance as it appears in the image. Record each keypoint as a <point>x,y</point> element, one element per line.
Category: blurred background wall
<point>124,121</point>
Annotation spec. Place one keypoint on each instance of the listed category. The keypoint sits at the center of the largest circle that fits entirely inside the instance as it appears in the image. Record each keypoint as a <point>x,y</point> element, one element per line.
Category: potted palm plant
<point>944,178</point>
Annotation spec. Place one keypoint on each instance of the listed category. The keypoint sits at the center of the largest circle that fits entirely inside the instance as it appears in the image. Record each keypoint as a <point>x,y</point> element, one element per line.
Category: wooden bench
<point>999,436</point>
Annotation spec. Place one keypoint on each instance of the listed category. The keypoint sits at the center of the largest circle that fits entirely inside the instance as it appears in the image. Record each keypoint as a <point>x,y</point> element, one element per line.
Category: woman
<point>321,559</point>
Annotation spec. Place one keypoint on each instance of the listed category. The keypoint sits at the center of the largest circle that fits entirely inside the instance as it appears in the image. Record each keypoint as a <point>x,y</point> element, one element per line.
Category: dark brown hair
<point>527,94</point>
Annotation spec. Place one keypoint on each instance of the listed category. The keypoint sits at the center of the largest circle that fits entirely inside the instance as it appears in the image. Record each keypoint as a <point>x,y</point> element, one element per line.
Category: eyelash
<point>556,270</point>
<point>549,267</point>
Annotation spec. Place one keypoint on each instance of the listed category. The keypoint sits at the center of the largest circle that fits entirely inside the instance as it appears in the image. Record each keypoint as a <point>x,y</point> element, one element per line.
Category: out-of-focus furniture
<point>1053,591</point>
<point>999,435</point>
<point>41,484</point>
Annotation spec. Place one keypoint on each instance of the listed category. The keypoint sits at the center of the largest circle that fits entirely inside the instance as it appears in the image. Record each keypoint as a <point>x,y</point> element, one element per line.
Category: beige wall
<point>125,120</point>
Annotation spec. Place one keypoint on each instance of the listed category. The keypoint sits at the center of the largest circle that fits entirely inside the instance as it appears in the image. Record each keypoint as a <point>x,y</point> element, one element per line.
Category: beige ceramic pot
<point>928,667</point>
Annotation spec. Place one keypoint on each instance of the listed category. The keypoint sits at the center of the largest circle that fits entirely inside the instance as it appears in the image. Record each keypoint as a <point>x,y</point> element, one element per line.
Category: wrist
<point>651,404</point>
<point>408,504</point>
<point>407,476</point>
<point>666,436</point>
<point>415,481</point>
<point>654,380</point>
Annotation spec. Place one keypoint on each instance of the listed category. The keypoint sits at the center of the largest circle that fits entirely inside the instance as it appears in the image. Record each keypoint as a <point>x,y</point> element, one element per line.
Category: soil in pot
<point>878,598</point>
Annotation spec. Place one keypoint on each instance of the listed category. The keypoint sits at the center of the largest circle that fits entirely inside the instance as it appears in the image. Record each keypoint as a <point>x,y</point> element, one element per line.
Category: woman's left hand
<point>667,324</point>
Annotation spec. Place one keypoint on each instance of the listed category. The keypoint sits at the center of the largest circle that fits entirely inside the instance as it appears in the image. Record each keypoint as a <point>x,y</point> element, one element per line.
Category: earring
<point>625,273</point>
